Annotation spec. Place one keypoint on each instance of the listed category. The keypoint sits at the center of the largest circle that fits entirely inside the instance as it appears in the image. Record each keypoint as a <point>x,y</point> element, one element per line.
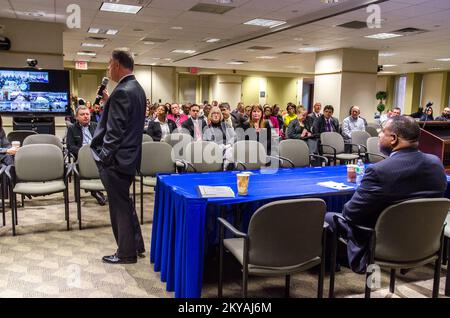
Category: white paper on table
<point>335,185</point>
<point>215,192</point>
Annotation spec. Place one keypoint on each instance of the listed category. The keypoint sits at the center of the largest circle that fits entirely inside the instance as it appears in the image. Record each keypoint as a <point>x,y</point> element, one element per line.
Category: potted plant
<point>381,96</point>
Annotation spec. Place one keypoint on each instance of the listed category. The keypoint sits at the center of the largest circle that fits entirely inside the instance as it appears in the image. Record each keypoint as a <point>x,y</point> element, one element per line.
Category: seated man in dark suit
<point>232,119</point>
<point>406,174</point>
<point>80,134</point>
<point>194,125</point>
<point>326,122</point>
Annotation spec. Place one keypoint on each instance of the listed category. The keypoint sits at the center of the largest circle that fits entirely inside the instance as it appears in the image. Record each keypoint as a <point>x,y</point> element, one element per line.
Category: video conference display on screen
<point>44,92</point>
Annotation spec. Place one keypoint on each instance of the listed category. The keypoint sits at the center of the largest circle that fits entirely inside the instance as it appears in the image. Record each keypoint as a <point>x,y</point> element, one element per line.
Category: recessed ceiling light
<point>435,68</point>
<point>103,31</point>
<point>177,28</point>
<point>237,62</point>
<point>167,59</point>
<point>265,23</point>
<point>389,65</point>
<point>386,54</point>
<point>121,8</point>
<point>212,40</point>
<point>310,49</point>
<point>386,72</point>
<point>383,36</point>
<point>92,45</point>
<point>148,43</point>
<point>183,51</point>
<point>156,58</point>
<point>447,59</point>
<point>87,53</point>
<point>266,57</point>
<point>298,39</point>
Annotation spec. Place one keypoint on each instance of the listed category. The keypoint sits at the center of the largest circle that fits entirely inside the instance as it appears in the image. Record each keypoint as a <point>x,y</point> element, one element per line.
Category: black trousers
<point>124,220</point>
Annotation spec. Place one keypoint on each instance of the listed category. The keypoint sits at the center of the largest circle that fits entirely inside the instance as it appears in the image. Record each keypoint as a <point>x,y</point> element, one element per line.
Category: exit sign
<point>81,65</point>
<point>193,70</point>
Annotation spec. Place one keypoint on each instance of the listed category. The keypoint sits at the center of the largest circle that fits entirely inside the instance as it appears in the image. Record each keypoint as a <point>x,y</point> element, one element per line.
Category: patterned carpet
<point>45,260</point>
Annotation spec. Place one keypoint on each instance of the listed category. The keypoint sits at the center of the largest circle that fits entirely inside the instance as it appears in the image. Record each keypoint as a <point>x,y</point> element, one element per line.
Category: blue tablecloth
<point>184,224</point>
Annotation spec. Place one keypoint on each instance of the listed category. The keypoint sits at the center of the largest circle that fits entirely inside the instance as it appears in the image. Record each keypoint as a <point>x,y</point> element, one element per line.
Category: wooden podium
<point>435,139</point>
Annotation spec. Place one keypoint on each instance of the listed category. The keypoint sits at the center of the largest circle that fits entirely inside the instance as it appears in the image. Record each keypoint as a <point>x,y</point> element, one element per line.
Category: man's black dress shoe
<point>141,253</point>
<point>99,197</point>
<point>114,259</point>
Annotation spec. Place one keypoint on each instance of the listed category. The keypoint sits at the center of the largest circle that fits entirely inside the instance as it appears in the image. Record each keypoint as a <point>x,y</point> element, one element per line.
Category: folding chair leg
<point>23,200</point>
<point>392,282</point>
<point>287,286</point>
<point>78,199</point>
<point>142,200</point>
<point>445,256</point>
<point>333,257</point>
<point>66,207</point>
<point>244,281</point>
<point>221,247</point>
<point>15,208</point>
<point>368,289</point>
<point>447,279</point>
<point>437,278</point>
<point>13,213</point>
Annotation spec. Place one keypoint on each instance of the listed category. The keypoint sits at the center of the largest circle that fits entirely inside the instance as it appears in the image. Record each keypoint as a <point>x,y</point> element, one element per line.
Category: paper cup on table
<point>351,173</point>
<point>15,144</point>
<point>242,183</point>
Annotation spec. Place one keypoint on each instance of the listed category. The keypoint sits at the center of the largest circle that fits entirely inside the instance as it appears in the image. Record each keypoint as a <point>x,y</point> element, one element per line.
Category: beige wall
<point>226,88</point>
<point>327,91</point>
<point>360,90</point>
<point>432,90</point>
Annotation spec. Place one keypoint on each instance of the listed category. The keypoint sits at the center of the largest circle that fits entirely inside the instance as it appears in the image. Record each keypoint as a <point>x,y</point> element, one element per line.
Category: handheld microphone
<point>427,106</point>
<point>105,82</point>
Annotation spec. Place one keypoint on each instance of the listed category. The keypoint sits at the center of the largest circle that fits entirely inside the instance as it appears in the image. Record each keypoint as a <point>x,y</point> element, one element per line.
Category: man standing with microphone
<point>117,146</point>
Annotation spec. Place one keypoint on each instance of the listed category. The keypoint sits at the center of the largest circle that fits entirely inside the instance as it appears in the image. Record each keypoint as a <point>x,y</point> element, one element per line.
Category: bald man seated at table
<point>406,174</point>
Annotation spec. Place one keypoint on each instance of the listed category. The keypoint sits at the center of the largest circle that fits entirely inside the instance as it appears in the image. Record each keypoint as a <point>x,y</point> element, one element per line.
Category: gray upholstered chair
<point>203,156</point>
<point>294,153</point>
<point>332,146</point>
<point>360,138</point>
<point>38,170</point>
<point>373,154</point>
<point>19,135</point>
<point>284,238</point>
<point>43,139</point>
<point>372,130</point>
<point>447,239</point>
<point>156,158</point>
<point>249,155</point>
<point>87,176</point>
<point>406,235</point>
<point>146,138</point>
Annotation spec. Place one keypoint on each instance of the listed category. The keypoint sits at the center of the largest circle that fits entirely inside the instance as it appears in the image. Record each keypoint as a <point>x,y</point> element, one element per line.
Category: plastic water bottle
<point>359,172</point>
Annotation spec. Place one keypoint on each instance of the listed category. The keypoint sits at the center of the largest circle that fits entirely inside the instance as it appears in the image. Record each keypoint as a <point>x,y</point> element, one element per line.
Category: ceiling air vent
<point>211,8</point>
<point>97,38</point>
<point>154,40</point>
<point>259,48</point>
<point>410,31</point>
<point>354,25</point>
<point>287,53</point>
<point>209,60</point>
<point>414,62</point>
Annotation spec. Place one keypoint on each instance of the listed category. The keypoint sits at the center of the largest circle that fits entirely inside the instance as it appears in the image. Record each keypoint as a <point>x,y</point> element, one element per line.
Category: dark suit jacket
<point>189,126</point>
<point>408,174</point>
<point>154,129</point>
<point>319,125</point>
<point>118,137</point>
<point>74,138</point>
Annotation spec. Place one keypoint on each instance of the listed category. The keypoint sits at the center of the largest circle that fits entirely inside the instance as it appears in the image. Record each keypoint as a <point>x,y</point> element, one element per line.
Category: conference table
<point>185,224</point>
